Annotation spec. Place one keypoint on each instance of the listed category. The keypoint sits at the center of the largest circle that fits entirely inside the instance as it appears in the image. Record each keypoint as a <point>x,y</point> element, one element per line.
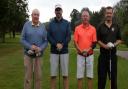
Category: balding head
<point>35,16</point>
<point>35,11</point>
<point>85,15</point>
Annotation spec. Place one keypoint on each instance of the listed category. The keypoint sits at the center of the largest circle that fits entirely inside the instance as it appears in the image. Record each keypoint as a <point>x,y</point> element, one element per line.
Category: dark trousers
<point>104,70</point>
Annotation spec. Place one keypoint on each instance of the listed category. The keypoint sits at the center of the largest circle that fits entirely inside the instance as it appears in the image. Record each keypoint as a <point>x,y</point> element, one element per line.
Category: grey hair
<point>85,9</point>
<point>35,11</point>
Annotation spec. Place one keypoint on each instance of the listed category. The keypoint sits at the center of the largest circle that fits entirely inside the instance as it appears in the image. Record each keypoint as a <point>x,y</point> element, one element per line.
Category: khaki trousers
<point>32,69</point>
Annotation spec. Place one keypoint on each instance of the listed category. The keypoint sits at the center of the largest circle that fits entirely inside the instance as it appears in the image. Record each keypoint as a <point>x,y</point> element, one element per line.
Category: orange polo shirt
<point>85,36</point>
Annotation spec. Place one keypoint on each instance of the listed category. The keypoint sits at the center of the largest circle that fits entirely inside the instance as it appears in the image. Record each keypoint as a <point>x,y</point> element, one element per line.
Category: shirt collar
<point>37,25</point>
<point>57,20</point>
<point>85,27</point>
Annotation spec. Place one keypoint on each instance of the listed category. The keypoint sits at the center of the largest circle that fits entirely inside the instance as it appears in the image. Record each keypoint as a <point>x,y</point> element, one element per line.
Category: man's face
<point>58,12</point>
<point>108,14</point>
<point>35,17</point>
<point>85,17</point>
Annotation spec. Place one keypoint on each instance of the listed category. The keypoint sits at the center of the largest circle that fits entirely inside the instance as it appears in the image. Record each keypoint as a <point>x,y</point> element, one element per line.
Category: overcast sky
<point>46,7</point>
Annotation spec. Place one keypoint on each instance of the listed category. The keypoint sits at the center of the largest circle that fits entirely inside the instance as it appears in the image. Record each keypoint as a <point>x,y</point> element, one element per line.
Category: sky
<point>46,7</point>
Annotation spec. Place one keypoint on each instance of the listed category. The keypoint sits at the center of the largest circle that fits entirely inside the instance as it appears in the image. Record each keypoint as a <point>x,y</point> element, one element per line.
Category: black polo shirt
<point>106,34</point>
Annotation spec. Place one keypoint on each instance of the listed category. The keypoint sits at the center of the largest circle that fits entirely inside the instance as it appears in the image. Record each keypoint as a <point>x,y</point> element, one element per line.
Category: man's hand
<point>37,50</point>
<point>110,45</point>
<point>106,47</point>
<point>33,47</point>
<point>59,46</point>
<point>85,51</point>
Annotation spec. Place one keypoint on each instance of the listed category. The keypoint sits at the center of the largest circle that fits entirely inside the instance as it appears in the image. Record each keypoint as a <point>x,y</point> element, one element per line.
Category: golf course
<point>12,67</point>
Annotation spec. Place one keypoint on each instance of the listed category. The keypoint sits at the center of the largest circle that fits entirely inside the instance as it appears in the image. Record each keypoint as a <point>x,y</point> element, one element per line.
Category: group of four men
<point>35,38</point>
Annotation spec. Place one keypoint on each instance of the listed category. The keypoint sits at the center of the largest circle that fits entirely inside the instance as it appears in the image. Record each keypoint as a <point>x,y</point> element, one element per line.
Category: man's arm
<point>49,36</point>
<point>23,38</point>
<point>45,43</point>
<point>93,45</point>
<point>117,42</point>
<point>75,41</point>
<point>94,40</point>
<point>103,45</point>
<point>68,34</point>
<point>77,47</point>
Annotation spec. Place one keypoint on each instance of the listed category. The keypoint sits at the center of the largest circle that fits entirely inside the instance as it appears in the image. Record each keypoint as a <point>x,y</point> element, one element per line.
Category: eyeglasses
<point>58,9</point>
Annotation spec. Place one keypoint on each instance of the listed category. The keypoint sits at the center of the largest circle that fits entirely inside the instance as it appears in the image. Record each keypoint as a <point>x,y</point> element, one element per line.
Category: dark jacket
<point>59,32</point>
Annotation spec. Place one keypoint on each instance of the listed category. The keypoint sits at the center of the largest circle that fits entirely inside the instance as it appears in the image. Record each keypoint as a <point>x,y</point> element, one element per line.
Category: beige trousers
<point>32,72</point>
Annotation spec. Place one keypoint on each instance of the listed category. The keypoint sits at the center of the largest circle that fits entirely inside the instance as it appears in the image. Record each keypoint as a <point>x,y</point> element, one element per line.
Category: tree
<point>97,17</point>
<point>18,14</point>
<point>13,15</point>
<point>3,20</point>
<point>121,13</point>
<point>125,34</point>
<point>75,16</point>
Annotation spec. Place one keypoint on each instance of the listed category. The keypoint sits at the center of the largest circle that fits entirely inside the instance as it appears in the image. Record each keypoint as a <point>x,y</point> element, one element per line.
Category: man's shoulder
<point>101,24</point>
<point>66,21</point>
<point>42,24</point>
<point>92,27</point>
<point>116,24</point>
<point>27,23</point>
<point>51,21</point>
<point>79,26</point>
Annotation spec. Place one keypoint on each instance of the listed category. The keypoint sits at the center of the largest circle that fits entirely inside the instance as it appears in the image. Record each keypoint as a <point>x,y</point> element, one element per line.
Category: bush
<point>125,34</point>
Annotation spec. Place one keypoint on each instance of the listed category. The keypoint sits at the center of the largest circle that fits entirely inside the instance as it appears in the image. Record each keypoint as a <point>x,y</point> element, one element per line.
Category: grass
<point>12,68</point>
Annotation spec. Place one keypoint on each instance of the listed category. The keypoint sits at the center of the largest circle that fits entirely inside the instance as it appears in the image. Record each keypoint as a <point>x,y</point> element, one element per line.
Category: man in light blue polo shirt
<point>34,41</point>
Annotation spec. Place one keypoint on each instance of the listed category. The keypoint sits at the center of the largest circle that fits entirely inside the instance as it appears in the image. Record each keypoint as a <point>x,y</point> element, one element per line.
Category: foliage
<point>97,17</point>
<point>75,16</point>
<point>125,34</point>
<point>121,14</point>
<point>13,15</point>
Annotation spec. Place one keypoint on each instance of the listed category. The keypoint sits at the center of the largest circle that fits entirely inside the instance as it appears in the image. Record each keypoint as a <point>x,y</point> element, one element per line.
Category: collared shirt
<point>32,35</point>
<point>106,34</point>
<point>36,24</point>
<point>85,36</point>
<point>59,32</point>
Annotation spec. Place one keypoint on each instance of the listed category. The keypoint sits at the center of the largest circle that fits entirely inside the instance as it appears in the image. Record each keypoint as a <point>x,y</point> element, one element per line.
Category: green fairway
<point>12,68</point>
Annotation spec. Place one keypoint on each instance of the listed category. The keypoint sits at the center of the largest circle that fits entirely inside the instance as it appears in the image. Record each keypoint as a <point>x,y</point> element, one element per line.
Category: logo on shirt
<point>113,29</point>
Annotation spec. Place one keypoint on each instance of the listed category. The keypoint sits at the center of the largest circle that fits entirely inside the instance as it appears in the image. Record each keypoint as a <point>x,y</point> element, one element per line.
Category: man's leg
<point>37,72</point>
<point>90,83</point>
<point>80,83</point>
<point>114,72</point>
<point>102,71</point>
<point>54,65</point>
<point>65,82</point>
<point>80,71</point>
<point>28,72</point>
<point>89,71</point>
<point>64,61</point>
<point>53,82</point>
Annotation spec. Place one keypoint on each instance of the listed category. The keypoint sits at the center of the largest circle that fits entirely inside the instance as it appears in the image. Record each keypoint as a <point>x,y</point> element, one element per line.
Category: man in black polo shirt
<point>109,36</point>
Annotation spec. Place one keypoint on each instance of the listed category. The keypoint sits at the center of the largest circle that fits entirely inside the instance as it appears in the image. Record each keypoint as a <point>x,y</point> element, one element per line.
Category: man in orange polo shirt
<point>85,40</point>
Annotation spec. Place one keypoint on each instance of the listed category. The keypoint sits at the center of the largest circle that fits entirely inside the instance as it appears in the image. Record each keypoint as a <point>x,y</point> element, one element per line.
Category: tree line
<point>15,12</point>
